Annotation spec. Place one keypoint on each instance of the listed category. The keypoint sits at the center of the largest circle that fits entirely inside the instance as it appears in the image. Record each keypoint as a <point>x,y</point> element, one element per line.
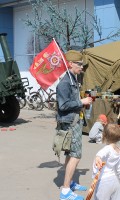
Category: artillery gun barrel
<point>5,48</point>
<point>11,84</point>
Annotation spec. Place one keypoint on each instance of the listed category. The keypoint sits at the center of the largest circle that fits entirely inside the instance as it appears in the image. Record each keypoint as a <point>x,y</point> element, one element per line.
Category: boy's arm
<point>65,102</point>
<point>98,162</point>
<point>100,156</point>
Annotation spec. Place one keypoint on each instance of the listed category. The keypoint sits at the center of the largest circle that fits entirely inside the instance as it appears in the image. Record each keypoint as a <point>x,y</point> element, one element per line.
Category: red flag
<point>48,65</point>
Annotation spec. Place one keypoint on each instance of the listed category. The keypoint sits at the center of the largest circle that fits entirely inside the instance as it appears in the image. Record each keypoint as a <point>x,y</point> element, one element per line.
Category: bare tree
<point>68,30</point>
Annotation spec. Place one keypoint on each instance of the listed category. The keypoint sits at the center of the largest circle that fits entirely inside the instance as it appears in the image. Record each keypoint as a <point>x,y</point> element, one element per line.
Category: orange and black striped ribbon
<point>93,184</point>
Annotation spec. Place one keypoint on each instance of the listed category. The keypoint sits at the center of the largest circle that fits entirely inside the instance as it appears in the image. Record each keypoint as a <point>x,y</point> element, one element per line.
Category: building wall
<point>23,37</point>
<point>6,26</point>
<point>108,11</point>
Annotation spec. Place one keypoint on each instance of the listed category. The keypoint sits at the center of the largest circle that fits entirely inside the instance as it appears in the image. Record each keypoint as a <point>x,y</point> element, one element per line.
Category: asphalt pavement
<point>29,170</point>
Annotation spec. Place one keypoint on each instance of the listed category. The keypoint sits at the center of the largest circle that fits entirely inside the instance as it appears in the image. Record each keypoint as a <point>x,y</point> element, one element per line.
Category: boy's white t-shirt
<point>112,160</point>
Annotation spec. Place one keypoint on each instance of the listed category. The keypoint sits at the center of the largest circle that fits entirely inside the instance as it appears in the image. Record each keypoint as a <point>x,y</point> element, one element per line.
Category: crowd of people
<point>69,107</point>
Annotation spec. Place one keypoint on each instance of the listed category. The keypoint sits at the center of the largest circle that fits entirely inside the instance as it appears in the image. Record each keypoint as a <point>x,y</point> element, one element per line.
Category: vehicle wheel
<point>9,111</point>
<point>36,101</point>
<point>52,101</point>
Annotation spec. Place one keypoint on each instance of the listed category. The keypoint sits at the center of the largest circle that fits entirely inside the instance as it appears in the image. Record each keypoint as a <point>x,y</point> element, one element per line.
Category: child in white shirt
<point>108,185</point>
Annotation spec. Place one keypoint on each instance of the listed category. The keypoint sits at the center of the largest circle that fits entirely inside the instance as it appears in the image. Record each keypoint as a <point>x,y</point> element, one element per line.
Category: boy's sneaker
<point>74,186</point>
<point>70,196</point>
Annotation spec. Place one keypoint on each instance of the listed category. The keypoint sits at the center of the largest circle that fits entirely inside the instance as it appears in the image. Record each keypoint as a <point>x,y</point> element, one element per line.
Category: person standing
<point>108,185</point>
<point>69,107</point>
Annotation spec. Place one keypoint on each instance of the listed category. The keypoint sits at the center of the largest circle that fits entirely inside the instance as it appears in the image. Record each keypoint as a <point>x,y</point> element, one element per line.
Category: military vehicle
<point>12,86</point>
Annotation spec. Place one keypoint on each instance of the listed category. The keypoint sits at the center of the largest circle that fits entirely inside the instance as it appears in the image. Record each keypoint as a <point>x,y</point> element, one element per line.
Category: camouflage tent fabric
<point>102,67</point>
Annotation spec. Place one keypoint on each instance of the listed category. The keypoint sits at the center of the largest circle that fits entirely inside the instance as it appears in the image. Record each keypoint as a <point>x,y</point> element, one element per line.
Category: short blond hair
<point>111,133</point>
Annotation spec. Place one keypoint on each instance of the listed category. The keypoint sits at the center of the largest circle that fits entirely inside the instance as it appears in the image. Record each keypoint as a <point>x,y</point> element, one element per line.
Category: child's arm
<point>97,165</point>
<point>98,162</point>
<point>101,156</point>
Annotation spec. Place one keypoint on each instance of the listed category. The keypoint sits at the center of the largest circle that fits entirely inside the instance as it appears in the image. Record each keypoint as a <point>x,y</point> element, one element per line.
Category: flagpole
<point>63,60</point>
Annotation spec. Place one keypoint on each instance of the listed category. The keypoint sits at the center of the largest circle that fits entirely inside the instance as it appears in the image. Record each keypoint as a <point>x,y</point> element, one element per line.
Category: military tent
<point>102,67</point>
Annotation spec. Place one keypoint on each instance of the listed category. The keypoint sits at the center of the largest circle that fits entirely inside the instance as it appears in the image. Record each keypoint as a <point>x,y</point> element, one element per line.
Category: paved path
<point>29,170</point>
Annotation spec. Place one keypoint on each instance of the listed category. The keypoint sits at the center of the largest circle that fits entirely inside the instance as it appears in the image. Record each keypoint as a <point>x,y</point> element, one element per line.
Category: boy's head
<point>75,61</point>
<point>102,118</point>
<point>111,133</point>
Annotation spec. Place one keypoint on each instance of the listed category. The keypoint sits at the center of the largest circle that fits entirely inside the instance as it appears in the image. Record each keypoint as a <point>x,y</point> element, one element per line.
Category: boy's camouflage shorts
<point>76,144</point>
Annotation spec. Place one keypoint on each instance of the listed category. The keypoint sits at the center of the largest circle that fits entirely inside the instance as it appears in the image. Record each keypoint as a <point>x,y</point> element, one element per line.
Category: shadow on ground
<point>15,123</point>
<point>61,171</point>
<point>51,115</point>
<point>51,164</point>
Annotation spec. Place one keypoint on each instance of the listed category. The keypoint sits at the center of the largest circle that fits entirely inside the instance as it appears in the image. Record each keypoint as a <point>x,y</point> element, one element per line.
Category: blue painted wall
<point>6,25</point>
<point>108,11</point>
